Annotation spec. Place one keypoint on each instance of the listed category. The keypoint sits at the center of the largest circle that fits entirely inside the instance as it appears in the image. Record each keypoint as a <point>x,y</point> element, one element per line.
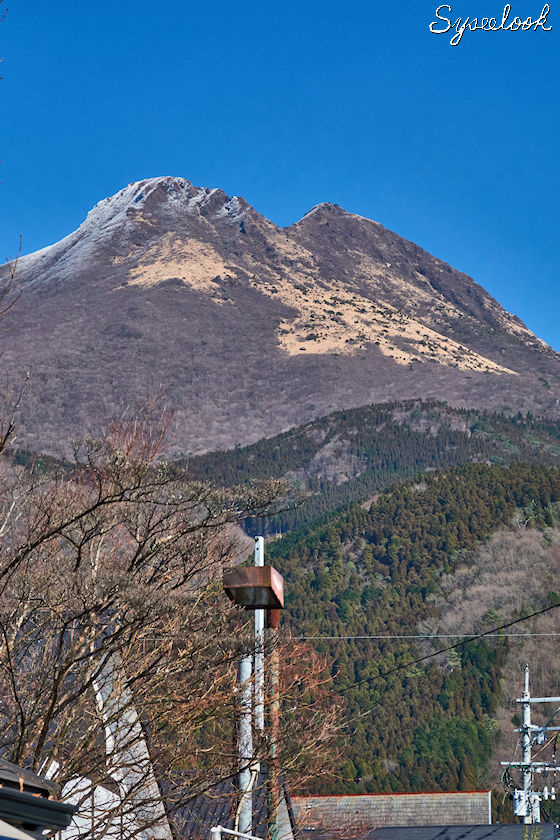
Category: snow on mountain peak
<point>179,193</point>
<point>118,213</point>
<point>233,209</point>
<point>113,210</point>
<point>315,208</point>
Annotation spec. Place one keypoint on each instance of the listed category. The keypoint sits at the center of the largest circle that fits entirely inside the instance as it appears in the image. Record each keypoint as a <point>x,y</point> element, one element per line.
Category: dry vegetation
<point>117,652</point>
<point>324,320</point>
<point>516,572</point>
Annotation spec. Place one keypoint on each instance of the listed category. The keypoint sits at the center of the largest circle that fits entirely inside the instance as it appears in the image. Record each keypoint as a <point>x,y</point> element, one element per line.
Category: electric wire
<point>465,641</point>
<point>421,636</point>
<point>549,721</point>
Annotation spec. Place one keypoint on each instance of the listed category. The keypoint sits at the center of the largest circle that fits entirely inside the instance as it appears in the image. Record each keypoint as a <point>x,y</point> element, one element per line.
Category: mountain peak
<point>325,208</point>
<point>166,195</point>
<point>327,212</point>
<point>179,193</point>
<point>164,202</point>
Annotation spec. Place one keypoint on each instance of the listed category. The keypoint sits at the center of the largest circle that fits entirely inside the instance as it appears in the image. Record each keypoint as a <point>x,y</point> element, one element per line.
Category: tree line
<point>379,445</point>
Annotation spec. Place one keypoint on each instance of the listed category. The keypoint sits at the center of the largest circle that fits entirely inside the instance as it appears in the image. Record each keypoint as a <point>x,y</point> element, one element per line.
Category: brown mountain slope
<point>249,328</point>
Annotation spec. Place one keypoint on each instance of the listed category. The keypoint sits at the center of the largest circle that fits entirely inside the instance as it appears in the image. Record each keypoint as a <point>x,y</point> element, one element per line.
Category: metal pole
<point>273,786</point>
<point>526,744</point>
<point>217,831</point>
<point>245,747</point>
<point>259,648</point>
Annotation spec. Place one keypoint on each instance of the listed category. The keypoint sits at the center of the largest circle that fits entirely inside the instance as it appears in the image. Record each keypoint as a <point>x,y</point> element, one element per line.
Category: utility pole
<point>245,741</point>
<point>272,625</point>
<point>257,588</point>
<point>259,648</point>
<point>273,783</point>
<point>245,746</point>
<point>526,750</point>
<point>527,802</point>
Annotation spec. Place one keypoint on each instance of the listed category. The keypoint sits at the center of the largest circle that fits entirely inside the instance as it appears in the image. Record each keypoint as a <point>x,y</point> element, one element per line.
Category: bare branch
<point>117,651</point>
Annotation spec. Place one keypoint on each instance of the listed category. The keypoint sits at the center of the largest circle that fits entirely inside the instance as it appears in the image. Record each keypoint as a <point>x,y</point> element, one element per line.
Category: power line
<point>424,636</point>
<point>467,640</point>
<point>396,636</point>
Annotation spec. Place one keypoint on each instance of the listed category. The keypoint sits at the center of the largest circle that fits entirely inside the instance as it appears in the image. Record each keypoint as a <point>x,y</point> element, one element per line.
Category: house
<point>27,804</point>
<point>402,816</point>
<point>546,831</point>
<point>364,812</point>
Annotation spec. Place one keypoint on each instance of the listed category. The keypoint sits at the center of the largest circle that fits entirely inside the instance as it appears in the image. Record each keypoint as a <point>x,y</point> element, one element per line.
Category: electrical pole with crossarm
<point>527,801</point>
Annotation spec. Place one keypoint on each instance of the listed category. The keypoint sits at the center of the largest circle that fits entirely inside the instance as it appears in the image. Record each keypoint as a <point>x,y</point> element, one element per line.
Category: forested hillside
<point>351,455</point>
<point>379,571</point>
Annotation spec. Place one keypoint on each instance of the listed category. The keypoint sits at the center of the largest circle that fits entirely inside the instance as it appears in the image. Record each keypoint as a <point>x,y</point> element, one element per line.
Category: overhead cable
<point>467,640</point>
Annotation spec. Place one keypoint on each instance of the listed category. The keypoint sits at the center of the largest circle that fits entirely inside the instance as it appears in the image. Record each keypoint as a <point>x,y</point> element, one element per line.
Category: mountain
<point>249,329</point>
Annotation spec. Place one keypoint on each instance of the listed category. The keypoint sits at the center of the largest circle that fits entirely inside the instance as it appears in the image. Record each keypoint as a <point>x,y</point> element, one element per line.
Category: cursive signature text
<point>445,23</point>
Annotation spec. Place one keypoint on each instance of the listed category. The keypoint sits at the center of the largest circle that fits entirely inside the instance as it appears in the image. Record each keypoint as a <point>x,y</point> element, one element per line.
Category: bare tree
<point>117,651</point>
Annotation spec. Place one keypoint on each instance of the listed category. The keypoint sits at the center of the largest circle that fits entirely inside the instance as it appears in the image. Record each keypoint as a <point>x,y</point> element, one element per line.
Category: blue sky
<point>290,104</point>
